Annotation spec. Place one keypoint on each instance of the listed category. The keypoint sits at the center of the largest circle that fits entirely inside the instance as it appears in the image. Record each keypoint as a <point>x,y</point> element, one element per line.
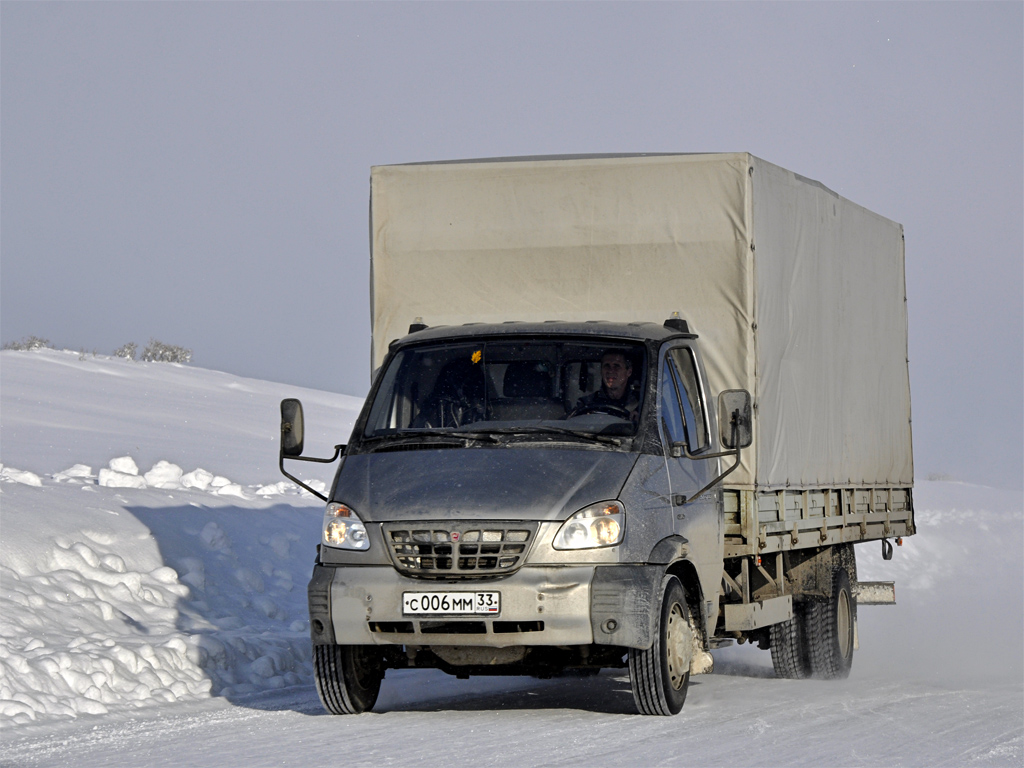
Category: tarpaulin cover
<point>796,293</point>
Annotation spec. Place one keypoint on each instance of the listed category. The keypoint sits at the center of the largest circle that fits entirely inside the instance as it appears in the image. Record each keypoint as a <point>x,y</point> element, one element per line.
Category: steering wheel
<point>607,408</point>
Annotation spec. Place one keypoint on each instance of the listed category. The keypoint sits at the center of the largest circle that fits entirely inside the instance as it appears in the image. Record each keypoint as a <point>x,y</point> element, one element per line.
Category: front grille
<point>459,550</point>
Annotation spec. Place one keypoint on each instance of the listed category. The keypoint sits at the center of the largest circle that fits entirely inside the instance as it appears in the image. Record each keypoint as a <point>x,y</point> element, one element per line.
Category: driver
<point>615,392</point>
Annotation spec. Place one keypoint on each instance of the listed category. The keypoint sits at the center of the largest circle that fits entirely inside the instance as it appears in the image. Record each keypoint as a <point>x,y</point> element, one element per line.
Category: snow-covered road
<point>153,612</point>
<point>738,717</point>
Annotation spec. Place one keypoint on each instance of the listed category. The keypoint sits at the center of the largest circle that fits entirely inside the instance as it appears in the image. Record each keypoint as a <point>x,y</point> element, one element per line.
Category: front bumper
<point>540,606</point>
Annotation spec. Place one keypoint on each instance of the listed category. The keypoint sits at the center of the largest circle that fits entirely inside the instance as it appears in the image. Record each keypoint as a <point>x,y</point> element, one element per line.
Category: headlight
<point>343,528</point>
<point>599,525</point>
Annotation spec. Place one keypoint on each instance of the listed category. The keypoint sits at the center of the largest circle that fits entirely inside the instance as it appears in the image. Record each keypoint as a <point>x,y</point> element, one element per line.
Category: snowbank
<point>125,588</point>
<point>89,611</point>
<point>116,598</point>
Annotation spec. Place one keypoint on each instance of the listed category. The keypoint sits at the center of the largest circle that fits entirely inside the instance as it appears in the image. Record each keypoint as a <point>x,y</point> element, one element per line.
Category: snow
<point>153,566</point>
<point>19,476</point>
<point>59,410</point>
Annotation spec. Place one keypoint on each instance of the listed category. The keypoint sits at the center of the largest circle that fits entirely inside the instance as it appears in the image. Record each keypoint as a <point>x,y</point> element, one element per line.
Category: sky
<point>199,172</point>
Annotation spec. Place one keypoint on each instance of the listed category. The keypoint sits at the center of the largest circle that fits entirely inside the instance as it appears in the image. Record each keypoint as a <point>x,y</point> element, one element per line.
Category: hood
<point>480,483</point>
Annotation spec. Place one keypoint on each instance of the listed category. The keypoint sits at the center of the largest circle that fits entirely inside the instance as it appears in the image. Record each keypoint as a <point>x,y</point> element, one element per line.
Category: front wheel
<point>348,677</point>
<point>660,675</point>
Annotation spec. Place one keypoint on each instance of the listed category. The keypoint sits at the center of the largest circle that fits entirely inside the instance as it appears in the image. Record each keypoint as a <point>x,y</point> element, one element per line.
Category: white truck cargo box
<point>797,294</point>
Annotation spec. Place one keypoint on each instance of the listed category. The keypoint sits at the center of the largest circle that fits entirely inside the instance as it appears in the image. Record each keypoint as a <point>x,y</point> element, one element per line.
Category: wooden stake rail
<point>760,522</point>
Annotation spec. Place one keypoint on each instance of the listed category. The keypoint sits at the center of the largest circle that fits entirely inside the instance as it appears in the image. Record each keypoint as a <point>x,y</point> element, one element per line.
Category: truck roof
<point>638,331</point>
<point>553,158</point>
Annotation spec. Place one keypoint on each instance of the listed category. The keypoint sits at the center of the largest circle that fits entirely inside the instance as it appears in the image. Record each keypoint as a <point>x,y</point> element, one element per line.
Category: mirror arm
<point>337,452</point>
<point>718,479</point>
<point>735,452</point>
<point>686,452</point>
<point>280,465</point>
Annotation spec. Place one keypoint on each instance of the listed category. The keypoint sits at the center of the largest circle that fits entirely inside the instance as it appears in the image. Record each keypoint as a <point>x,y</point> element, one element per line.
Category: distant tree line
<point>154,352</point>
<point>29,343</point>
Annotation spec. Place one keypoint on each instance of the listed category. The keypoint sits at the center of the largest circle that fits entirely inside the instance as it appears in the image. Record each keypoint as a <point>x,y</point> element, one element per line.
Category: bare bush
<point>158,352</point>
<point>127,351</point>
<point>28,344</point>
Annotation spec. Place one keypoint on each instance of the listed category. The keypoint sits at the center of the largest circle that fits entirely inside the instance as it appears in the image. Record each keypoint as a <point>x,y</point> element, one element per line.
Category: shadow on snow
<point>247,571</point>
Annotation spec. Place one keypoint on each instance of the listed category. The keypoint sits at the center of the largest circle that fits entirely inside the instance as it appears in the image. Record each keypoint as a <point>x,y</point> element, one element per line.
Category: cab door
<point>684,419</point>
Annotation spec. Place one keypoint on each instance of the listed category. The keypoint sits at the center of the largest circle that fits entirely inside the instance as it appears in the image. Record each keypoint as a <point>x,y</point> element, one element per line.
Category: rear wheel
<point>348,677</point>
<point>789,646</point>
<point>830,630</point>
<point>660,675</point>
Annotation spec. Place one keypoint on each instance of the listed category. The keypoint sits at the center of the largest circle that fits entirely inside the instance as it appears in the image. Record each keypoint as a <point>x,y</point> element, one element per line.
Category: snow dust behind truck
<point>628,409</point>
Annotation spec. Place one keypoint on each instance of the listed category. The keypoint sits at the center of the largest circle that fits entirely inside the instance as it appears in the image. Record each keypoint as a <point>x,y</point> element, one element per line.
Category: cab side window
<point>669,412</point>
<point>692,403</point>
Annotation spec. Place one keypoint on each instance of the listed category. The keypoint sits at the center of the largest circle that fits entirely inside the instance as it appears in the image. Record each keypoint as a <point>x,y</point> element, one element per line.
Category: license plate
<point>450,603</point>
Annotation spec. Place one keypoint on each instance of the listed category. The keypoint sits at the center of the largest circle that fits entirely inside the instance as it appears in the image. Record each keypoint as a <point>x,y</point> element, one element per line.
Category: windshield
<point>511,386</point>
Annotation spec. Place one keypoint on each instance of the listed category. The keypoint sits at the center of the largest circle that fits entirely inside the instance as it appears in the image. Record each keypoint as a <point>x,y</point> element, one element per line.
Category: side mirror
<point>291,427</point>
<point>734,418</point>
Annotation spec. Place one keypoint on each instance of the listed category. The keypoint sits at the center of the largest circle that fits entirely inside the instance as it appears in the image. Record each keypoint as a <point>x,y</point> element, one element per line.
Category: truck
<point>625,410</point>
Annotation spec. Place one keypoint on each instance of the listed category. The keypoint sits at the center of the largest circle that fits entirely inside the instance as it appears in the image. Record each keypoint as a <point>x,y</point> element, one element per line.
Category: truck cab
<point>527,498</point>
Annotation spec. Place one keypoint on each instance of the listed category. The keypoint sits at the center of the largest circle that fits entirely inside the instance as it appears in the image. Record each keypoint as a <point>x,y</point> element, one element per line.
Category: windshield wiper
<point>448,438</point>
<point>542,429</point>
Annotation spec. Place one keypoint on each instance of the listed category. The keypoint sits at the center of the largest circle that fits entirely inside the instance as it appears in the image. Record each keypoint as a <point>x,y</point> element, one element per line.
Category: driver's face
<point>615,373</point>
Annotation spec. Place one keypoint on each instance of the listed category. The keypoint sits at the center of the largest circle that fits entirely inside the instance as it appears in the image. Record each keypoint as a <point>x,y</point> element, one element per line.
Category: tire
<point>660,675</point>
<point>789,646</point>
<point>829,630</point>
<point>348,677</point>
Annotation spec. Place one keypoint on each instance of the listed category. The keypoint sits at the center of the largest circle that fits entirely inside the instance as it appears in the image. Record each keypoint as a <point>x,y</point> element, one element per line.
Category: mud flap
<point>625,604</point>
<point>321,628</point>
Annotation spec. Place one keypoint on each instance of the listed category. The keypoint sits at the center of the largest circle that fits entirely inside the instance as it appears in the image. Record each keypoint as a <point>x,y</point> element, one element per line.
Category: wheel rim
<point>844,619</point>
<point>363,671</point>
<point>678,646</point>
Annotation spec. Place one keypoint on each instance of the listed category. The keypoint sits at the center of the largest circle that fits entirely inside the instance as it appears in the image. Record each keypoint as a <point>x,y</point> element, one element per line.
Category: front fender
<point>669,549</point>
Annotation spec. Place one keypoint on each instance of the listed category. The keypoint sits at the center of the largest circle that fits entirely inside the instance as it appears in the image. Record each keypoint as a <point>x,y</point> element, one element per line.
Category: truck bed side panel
<point>832,389</point>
